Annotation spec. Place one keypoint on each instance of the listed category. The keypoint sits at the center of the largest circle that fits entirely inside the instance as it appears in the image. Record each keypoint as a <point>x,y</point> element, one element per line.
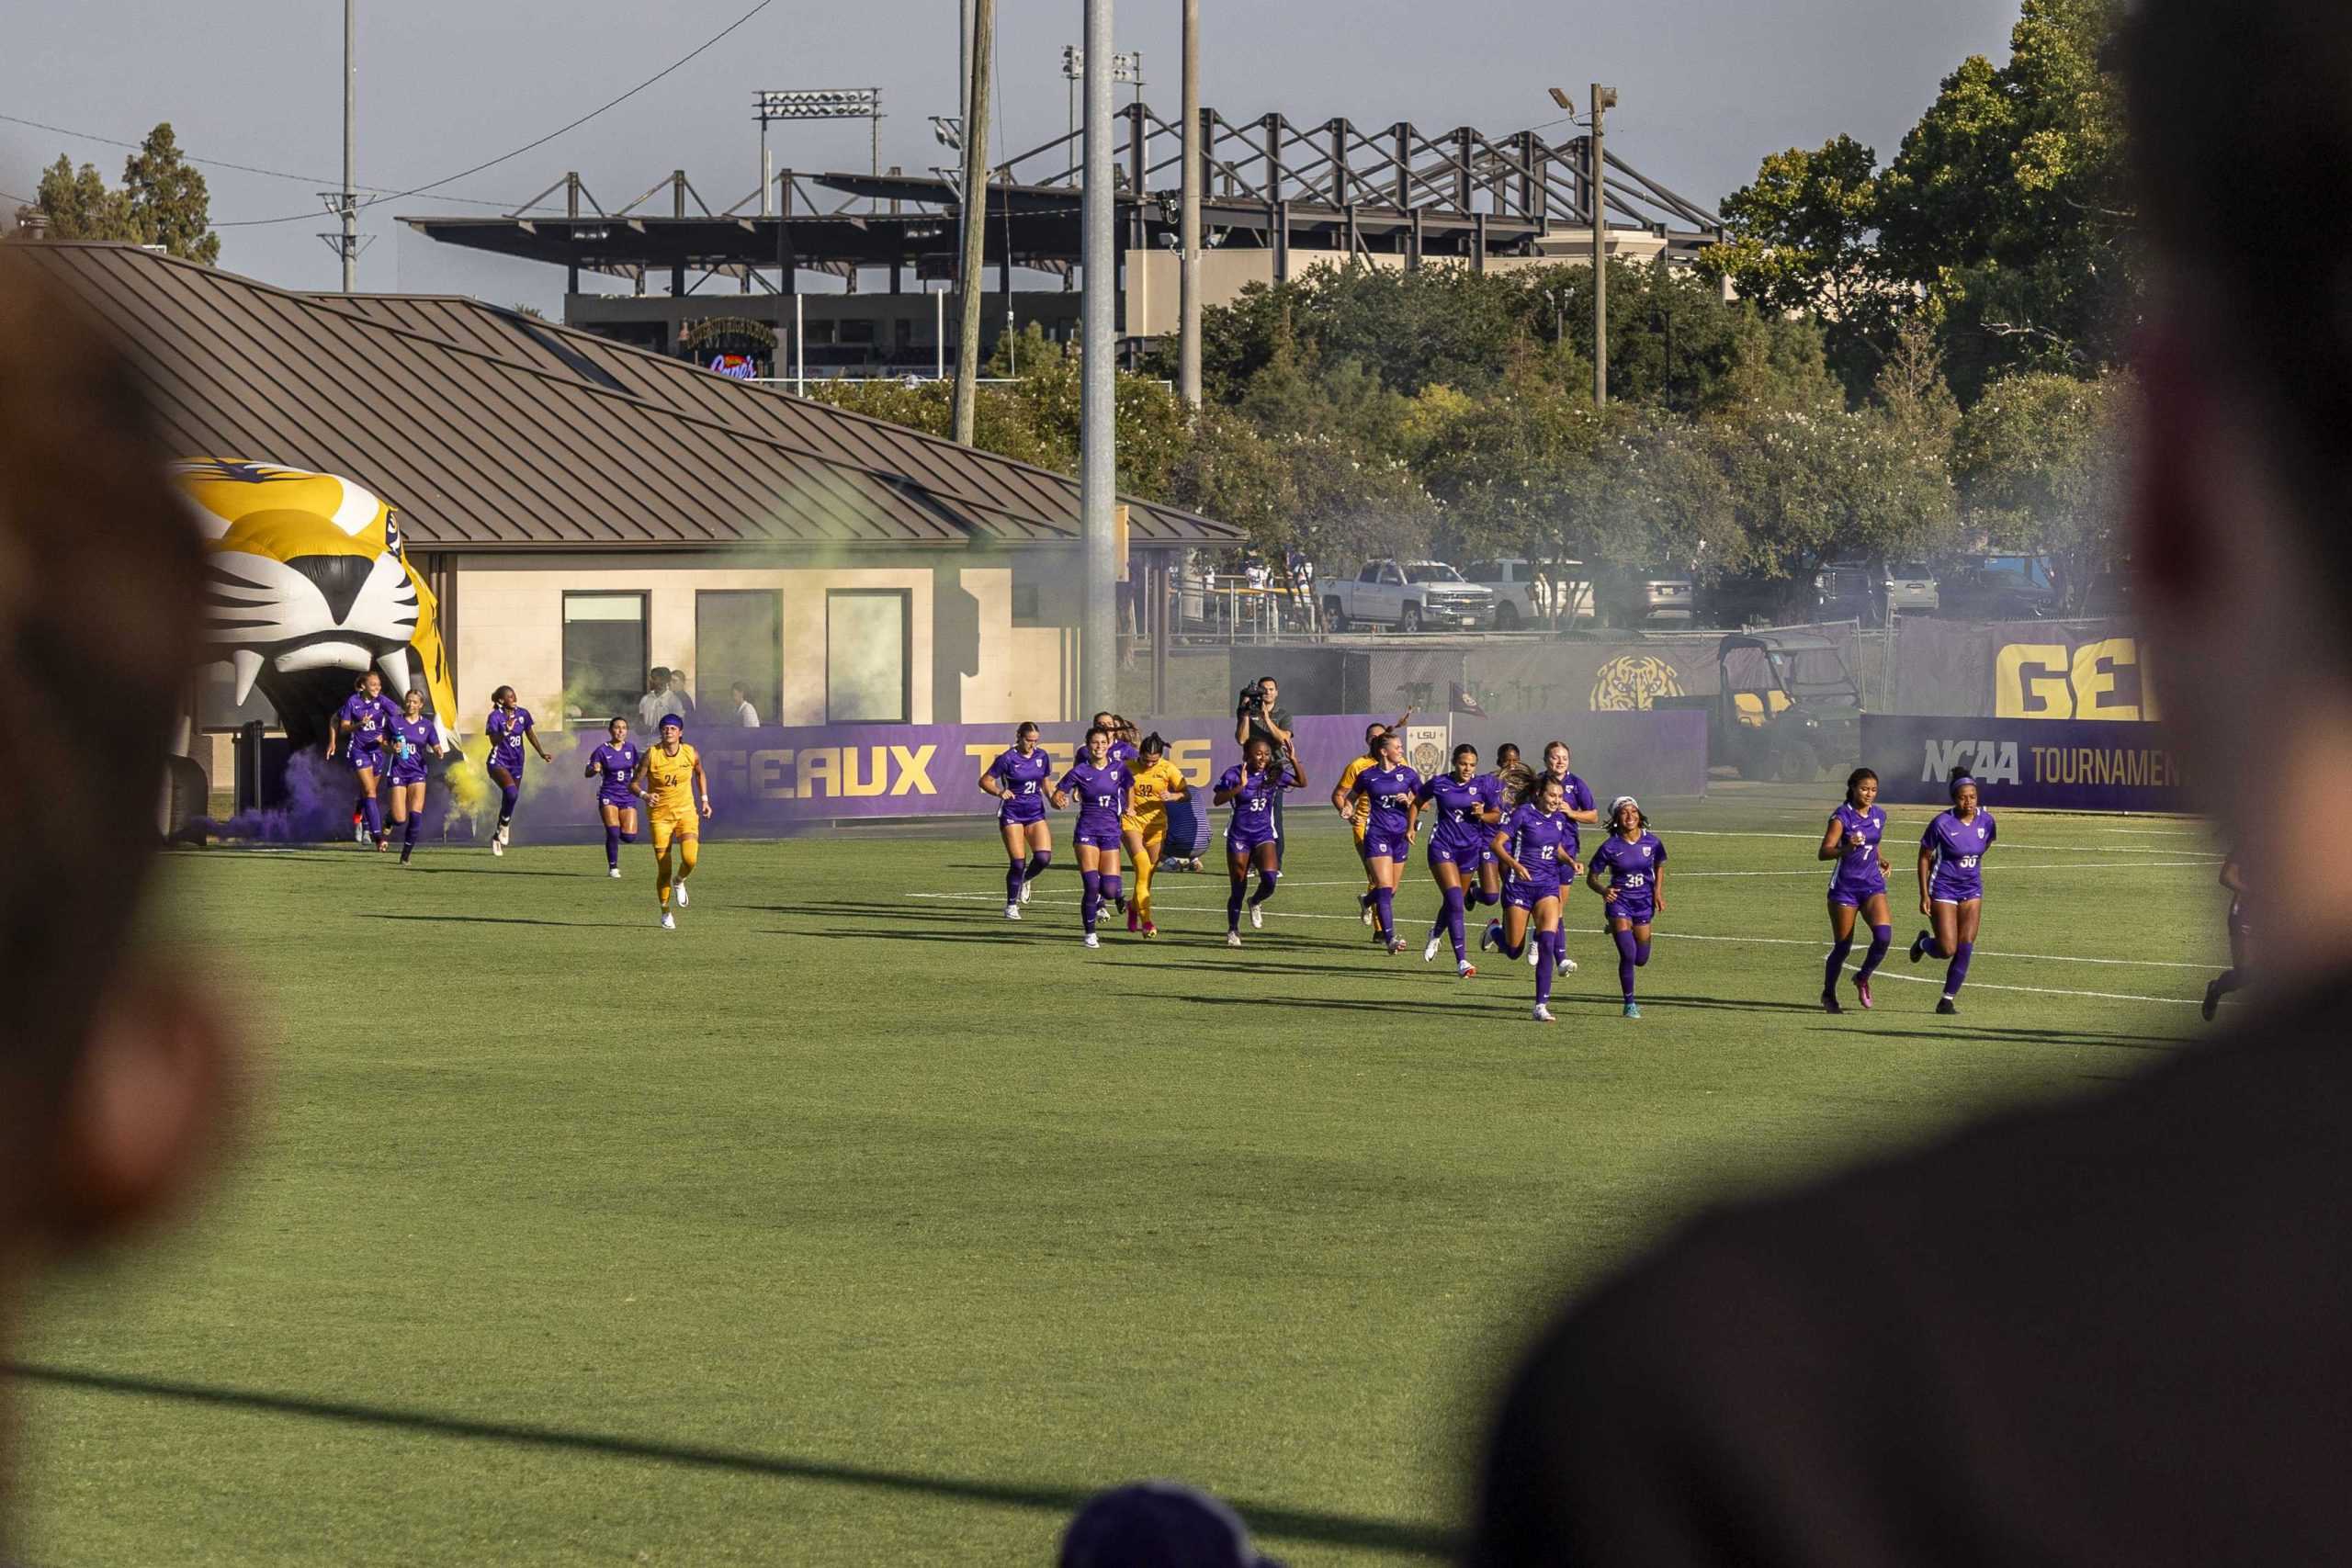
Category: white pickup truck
<point>1523,591</point>
<point>1408,595</point>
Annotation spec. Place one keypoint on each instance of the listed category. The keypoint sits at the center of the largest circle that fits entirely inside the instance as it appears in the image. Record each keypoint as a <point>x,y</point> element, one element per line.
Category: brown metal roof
<point>490,430</point>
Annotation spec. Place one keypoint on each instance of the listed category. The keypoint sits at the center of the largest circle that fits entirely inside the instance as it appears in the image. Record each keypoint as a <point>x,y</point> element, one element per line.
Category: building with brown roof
<point>584,510</point>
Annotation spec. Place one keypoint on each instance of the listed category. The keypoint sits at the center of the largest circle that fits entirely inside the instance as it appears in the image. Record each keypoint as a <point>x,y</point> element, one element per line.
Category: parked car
<point>1747,599</point>
<point>1999,588</point>
<point>1635,596</point>
<point>1408,595</point>
<point>1524,591</point>
<point>1909,588</point>
<point>1850,590</point>
<point>1786,705</point>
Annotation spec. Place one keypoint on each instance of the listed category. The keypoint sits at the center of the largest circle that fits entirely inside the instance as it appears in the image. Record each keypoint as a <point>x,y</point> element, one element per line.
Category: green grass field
<point>854,1223</point>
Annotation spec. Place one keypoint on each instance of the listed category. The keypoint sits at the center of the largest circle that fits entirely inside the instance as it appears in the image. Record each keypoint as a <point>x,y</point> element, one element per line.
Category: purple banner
<point>2067,764</point>
<point>764,781</point>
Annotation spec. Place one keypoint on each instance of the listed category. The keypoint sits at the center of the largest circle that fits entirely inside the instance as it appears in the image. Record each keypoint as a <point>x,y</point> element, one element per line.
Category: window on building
<point>604,655</point>
<point>866,657</point>
<point>903,333</point>
<point>739,635</point>
<point>1028,605</point>
<point>857,332</point>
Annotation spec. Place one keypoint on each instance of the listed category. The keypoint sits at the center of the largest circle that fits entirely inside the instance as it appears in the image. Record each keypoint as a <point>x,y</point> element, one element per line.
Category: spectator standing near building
<point>746,715</point>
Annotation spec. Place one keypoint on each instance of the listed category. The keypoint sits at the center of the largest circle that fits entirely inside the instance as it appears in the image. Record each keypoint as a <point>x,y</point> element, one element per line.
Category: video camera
<point>1253,699</point>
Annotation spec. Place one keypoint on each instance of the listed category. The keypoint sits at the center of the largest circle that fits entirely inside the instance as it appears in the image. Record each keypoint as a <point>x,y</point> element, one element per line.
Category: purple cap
<point>670,719</point>
<point>1159,1524</point>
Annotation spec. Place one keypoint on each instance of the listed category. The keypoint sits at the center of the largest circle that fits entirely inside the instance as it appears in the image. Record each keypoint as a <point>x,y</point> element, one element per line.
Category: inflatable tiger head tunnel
<point>307,587</point>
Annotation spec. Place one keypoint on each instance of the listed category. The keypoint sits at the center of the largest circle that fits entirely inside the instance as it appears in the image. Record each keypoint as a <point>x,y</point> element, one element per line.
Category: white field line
<point>1822,947</point>
<point>2016,843</point>
<point>1994,872</point>
<point>2040,990</point>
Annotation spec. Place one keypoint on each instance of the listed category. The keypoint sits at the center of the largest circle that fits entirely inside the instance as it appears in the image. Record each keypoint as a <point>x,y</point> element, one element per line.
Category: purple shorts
<point>1099,838</point>
<point>1851,896</point>
<point>622,799</point>
<point>368,757</point>
<point>1520,894</point>
<point>1942,889</point>
<point>2241,923</point>
<point>407,773</point>
<point>1250,841</point>
<point>1444,853</point>
<point>1379,846</point>
<point>1638,907</point>
<point>1021,811</point>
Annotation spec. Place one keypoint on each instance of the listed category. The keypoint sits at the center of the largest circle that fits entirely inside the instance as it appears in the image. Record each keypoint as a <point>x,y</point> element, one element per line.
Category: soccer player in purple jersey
<point>2234,977</point>
<point>1858,887</point>
<point>1537,843</point>
<point>508,726</point>
<point>1952,885</point>
<point>613,764</point>
<point>1504,787</point>
<point>1252,788</point>
<point>1392,792</point>
<point>1019,777</point>
<point>1465,815</point>
<point>408,740</point>
<point>363,718</point>
<point>1101,788</point>
<point>1636,895</point>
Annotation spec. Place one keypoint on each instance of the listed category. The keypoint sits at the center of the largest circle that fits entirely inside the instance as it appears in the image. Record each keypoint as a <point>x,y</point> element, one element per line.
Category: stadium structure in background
<point>1279,198</point>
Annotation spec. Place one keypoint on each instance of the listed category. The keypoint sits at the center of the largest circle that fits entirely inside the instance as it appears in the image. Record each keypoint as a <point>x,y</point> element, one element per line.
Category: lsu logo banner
<point>2071,764</point>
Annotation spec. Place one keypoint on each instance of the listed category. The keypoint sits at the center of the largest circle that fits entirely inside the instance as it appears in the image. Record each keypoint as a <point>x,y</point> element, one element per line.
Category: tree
<point>169,204</point>
<point>1800,241</point>
<point>163,202</point>
<point>79,206</point>
<point>2039,461</point>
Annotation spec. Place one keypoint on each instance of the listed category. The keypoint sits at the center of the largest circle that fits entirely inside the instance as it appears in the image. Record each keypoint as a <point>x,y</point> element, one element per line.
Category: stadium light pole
<point>1097,462</point>
<point>350,202</point>
<point>1188,266</point>
<point>1597,189</point>
<point>974,197</point>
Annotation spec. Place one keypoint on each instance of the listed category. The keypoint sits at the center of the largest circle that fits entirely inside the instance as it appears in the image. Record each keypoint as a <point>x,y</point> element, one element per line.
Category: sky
<point>1706,89</point>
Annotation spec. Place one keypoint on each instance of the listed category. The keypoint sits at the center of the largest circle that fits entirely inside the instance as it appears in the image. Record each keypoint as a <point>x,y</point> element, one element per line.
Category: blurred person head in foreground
<point>2118,1329</point>
<point>114,1078</point>
<point>1159,1524</point>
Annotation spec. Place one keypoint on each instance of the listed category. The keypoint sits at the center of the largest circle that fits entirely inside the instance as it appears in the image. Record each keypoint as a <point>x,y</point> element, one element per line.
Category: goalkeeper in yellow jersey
<point>1157,781</point>
<point>670,779</point>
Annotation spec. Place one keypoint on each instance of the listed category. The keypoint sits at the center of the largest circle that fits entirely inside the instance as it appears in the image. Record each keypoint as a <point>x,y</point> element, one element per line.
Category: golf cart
<point>1786,706</point>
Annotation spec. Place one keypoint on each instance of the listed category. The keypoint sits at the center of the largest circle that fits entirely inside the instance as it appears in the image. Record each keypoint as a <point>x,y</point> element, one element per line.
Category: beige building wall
<point>509,618</point>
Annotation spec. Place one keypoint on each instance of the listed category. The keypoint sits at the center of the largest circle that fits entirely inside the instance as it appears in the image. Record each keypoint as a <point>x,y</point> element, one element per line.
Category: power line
<point>317,180</point>
<point>707,44</point>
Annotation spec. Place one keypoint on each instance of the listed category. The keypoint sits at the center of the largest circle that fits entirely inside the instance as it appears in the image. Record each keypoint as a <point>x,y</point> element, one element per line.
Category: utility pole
<point>975,196</point>
<point>349,205</point>
<point>1603,100</point>
<point>1098,429</point>
<point>1188,266</point>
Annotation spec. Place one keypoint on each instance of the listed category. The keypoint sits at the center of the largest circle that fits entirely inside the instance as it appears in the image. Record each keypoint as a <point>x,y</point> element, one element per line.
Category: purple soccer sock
<point>1266,880</point>
<point>1240,890</point>
<point>628,838</point>
<point>1933,948</point>
<point>612,848</point>
<point>507,796</point>
<point>1641,952</point>
<point>1514,950</point>
<point>1038,861</point>
<point>1547,959</point>
<point>1957,975</point>
<point>1454,912</point>
<point>1090,905</point>
<point>1837,964</point>
<point>374,812</point>
<point>1384,903</point>
<point>1015,876</point>
<point>1114,888</point>
<point>1882,938</point>
<point>1625,962</point>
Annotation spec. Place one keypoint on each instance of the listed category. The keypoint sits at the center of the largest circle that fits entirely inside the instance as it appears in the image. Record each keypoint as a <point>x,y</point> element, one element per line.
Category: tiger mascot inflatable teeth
<point>307,586</point>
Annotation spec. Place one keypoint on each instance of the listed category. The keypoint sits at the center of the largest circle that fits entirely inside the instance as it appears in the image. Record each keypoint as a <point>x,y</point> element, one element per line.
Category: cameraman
<point>1259,716</point>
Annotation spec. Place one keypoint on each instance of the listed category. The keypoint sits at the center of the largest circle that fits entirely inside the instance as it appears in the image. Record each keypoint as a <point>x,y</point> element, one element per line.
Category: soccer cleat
<point>1544,1014</point>
<point>1566,965</point>
<point>2212,999</point>
<point>1233,938</point>
<point>497,844</point>
<point>1464,969</point>
<point>1948,1008</point>
<point>1150,929</point>
<point>1013,911</point>
<point>1919,947</point>
<point>680,891</point>
<point>1120,904</point>
<point>1491,938</point>
<point>613,872</point>
<point>1862,995</point>
<point>668,921</point>
<point>1429,953</point>
<point>1257,919</point>
<point>1829,1003</point>
<point>1024,893</point>
<point>1093,940</point>
<point>1135,922</point>
<point>1394,947</point>
<point>1363,907</point>
<point>1632,1009</point>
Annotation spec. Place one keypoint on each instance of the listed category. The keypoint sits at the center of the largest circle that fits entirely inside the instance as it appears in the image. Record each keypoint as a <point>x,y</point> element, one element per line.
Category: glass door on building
<point>603,656</point>
<point>739,637</point>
